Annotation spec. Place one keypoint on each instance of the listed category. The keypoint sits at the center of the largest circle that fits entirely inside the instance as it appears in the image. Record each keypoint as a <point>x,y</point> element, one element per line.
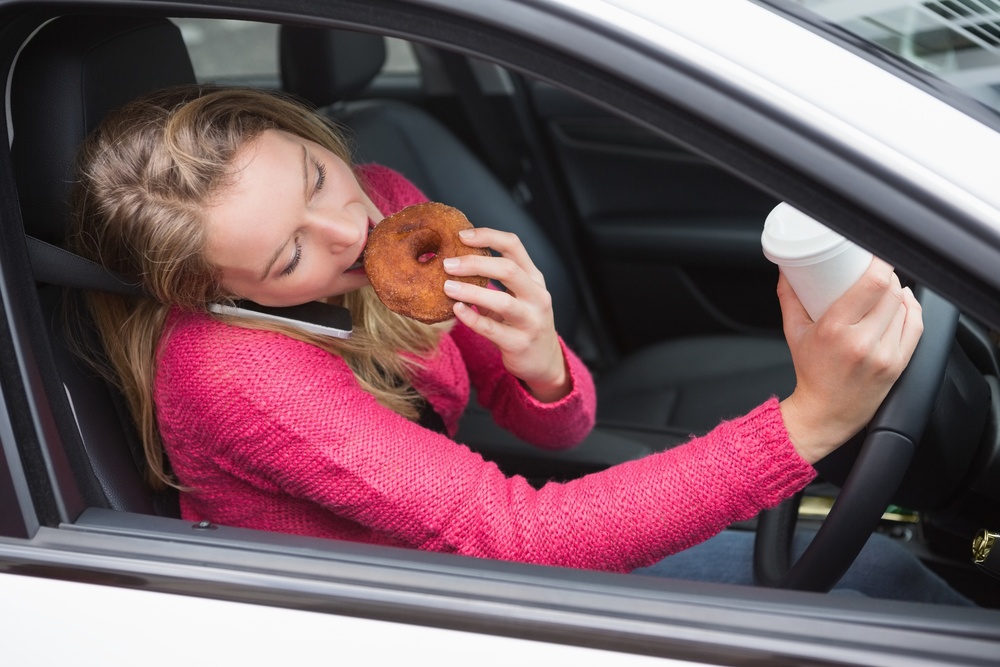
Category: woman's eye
<point>294,262</point>
<point>320,176</point>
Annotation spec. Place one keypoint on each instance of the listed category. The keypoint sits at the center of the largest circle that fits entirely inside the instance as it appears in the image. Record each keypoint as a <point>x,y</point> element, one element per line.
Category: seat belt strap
<point>56,266</point>
<point>508,164</point>
<point>52,265</point>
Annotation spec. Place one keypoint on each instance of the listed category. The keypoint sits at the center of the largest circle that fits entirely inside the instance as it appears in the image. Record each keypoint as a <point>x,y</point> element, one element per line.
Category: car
<point>637,148</point>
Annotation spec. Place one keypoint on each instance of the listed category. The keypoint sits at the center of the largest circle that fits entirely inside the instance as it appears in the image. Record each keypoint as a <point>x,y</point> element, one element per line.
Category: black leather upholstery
<point>686,384</point>
<point>692,383</point>
<point>105,62</point>
<point>325,70</point>
<point>72,72</point>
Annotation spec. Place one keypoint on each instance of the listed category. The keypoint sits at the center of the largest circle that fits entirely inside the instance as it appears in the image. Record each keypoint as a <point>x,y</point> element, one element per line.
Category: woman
<point>207,195</point>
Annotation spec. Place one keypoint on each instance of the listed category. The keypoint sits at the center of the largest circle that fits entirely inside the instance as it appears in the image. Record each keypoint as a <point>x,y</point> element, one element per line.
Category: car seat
<point>685,384</point>
<point>69,75</point>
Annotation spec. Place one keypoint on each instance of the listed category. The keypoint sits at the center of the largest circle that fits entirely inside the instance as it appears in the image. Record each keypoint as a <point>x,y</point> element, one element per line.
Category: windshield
<point>958,40</point>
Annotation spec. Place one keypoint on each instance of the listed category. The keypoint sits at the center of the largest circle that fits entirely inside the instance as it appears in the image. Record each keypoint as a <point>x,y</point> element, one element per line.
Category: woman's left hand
<point>519,321</point>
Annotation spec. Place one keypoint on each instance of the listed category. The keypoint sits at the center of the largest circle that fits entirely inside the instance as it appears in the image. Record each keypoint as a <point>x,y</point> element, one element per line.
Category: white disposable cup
<point>820,264</point>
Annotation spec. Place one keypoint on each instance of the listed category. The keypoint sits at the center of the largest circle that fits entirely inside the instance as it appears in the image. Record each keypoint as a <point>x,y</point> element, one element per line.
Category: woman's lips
<point>359,263</point>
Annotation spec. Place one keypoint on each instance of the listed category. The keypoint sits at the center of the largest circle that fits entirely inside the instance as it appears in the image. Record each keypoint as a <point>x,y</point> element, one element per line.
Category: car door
<point>637,209</point>
<point>673,239</point>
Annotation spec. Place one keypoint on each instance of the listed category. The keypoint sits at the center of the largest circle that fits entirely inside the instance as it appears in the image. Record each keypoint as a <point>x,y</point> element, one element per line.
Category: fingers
<point>793,313</point>
<point>526,303</point>
<point>509,247</point>
<point>913,324</point>
<point>865,294</point>
<point>503,304</point>
<point>887,309</point>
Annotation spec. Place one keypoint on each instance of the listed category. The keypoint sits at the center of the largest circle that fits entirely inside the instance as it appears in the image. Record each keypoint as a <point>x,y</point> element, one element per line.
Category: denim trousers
<point>884,569</point>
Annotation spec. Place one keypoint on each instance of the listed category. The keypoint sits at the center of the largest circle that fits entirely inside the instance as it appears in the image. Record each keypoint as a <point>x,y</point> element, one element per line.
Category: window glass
<point>958,40</point>
<point>227,51</point>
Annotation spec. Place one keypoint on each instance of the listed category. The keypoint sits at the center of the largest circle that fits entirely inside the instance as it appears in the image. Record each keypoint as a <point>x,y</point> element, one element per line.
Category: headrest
<point>325,66</point>
<point>67,78</point>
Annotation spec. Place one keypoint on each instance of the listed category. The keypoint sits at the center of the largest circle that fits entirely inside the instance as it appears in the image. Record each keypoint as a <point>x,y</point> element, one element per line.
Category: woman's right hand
<point>846,362</point>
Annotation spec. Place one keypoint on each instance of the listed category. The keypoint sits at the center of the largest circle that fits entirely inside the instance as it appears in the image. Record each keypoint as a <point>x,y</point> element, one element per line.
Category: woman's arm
<point>553,425</point>
<point>289,420</point>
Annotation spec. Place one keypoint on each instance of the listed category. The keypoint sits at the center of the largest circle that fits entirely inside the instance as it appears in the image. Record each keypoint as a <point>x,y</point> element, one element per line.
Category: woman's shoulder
<point>195,341</point>
<point>389,190</point>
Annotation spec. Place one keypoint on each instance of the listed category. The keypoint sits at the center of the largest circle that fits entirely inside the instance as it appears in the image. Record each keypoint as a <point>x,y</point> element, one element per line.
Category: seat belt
<point>507,163</point>
<point>53,265</point>
<point>56,266</point>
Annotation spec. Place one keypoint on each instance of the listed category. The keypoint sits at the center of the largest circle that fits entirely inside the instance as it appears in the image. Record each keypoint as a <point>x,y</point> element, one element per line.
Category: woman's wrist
<point>550,391</point>
<point>811,439</point>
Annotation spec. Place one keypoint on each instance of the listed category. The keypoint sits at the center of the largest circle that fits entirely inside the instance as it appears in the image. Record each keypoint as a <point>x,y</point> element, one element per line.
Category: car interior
<point>693,345</point>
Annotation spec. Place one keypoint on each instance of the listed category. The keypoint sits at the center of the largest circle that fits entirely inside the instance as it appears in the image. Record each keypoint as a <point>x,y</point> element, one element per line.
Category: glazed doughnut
<point>403,260</point>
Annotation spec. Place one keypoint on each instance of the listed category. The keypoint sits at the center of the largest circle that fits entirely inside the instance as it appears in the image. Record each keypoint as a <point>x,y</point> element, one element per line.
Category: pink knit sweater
<point>275,434</point>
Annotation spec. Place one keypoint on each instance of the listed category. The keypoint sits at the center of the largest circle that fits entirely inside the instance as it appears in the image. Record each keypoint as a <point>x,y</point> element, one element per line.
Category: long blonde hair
<point>144,177</point>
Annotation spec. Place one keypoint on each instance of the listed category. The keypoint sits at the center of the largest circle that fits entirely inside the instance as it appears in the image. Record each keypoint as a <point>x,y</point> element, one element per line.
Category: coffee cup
<point>820,264</point>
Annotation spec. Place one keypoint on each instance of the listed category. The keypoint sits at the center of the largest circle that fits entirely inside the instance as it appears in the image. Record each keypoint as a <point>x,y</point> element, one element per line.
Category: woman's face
<point>292,226</point>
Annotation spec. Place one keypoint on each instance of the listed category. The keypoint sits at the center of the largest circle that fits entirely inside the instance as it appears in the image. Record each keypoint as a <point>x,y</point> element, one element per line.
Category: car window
<point>246,52</point>
<point>957,40</point>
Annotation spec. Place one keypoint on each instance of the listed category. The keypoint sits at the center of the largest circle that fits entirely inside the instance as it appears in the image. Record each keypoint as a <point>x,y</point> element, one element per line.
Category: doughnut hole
<point>425,244</point>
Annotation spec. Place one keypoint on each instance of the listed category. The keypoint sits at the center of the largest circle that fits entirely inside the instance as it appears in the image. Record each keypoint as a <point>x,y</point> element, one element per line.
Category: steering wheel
<point>889,444</point>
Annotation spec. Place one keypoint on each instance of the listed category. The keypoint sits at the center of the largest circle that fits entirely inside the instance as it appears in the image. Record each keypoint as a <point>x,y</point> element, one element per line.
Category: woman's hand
<point>846,362</point>
<point>519,321</point>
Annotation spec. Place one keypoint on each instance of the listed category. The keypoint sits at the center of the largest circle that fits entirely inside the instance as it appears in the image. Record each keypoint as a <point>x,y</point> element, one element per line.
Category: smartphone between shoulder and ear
<point>313,317</point>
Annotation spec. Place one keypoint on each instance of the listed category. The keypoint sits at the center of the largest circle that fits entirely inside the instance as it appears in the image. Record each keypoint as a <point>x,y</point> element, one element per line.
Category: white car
<point>637,147</point>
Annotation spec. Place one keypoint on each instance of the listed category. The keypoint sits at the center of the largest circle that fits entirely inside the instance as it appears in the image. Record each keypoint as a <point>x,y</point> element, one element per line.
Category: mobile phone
<point>314,317</point>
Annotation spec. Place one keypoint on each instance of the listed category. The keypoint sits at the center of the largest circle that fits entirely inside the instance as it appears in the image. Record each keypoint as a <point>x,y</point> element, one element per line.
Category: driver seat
<point>72,72</point>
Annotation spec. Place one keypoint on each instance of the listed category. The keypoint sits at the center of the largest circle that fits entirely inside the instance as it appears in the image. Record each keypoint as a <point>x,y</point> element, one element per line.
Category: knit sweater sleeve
<point>556,425</point>
<point>240,407</point>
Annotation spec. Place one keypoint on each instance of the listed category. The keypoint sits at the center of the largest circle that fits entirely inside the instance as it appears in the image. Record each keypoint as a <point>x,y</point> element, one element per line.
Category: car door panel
<point>668,231</point>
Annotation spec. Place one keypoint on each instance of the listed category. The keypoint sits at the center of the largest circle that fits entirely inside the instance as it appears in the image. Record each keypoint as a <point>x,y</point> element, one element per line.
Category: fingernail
<point>452,286</point>
<point>467,233</point>
<point>451,263</point>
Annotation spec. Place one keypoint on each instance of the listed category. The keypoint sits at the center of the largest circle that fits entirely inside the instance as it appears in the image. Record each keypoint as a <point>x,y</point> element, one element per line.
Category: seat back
<point>411,141</point>
<point>72,72</point>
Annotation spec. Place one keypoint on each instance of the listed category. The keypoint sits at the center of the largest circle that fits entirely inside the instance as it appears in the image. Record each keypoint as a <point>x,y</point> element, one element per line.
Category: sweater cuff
<point>769,455</point>
<point>567,420</point>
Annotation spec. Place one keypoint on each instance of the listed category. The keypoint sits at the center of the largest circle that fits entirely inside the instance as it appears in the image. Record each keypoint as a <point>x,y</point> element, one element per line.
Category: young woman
<point>206,195</point>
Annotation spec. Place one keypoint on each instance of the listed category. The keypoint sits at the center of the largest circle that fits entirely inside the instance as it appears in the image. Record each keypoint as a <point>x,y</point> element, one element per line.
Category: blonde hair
<point>144,177</point>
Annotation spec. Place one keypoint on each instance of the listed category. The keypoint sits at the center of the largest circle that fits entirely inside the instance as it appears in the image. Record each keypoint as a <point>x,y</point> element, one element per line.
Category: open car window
<point>246,52</point>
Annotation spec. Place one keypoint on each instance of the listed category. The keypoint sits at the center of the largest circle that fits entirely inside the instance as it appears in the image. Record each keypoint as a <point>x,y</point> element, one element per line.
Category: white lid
<point>792,238</point>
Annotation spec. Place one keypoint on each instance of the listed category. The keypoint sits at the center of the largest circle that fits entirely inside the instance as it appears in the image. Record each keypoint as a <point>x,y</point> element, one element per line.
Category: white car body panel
<point>157,629</point>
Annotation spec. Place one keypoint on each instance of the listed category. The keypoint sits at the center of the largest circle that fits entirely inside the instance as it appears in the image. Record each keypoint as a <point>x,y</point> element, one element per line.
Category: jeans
<point>883,569</point>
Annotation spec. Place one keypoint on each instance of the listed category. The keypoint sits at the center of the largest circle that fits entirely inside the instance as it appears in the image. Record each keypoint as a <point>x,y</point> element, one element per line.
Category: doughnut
<point>403,260</point>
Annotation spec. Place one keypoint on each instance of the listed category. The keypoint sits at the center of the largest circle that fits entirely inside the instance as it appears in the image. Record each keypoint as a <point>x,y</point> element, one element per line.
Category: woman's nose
<point>343,229</point>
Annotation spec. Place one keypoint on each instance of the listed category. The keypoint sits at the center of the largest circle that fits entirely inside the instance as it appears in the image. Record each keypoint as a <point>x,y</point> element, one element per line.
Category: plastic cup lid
<point>793,238</point>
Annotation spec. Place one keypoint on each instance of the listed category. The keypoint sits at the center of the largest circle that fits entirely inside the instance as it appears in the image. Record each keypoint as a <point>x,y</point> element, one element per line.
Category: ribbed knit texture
<point>275,434</point>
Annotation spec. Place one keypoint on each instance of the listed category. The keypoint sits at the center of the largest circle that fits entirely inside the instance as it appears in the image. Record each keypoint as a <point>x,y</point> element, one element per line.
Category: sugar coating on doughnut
<point>403,260</point>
